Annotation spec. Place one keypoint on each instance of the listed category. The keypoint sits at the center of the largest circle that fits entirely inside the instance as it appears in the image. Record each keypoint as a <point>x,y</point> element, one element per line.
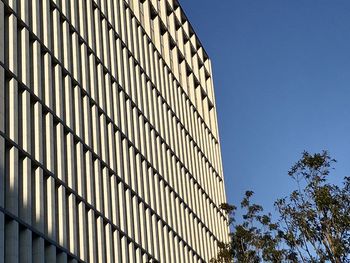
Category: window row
<point>90,241</point>
<point>20,244</point>
<point>99,243</point>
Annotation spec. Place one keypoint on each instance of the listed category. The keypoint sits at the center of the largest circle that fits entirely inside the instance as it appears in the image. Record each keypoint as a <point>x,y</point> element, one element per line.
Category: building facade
<point>109,146</point>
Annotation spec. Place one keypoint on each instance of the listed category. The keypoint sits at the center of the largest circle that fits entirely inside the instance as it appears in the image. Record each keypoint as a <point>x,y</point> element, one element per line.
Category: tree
<point>312,225</point>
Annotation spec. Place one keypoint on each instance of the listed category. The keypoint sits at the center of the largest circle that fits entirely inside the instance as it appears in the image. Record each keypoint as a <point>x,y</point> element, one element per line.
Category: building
<point>109,146</point>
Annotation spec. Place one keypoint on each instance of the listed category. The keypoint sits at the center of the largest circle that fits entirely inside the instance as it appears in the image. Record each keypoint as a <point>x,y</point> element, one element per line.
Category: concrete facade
<point>109,146</point>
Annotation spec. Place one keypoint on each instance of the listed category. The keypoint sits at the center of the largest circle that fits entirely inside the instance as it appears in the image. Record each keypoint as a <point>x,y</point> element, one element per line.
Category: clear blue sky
<point>282,80</point>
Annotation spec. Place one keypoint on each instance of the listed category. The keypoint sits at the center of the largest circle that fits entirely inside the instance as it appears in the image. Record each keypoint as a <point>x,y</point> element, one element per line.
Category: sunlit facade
<point>109,145</point>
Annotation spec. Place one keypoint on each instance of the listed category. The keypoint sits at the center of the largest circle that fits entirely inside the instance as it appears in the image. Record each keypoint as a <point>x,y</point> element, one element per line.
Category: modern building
<point>109,146</point>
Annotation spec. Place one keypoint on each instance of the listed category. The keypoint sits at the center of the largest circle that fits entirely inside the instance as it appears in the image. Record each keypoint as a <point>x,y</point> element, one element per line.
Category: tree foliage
<point>312,225</point>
